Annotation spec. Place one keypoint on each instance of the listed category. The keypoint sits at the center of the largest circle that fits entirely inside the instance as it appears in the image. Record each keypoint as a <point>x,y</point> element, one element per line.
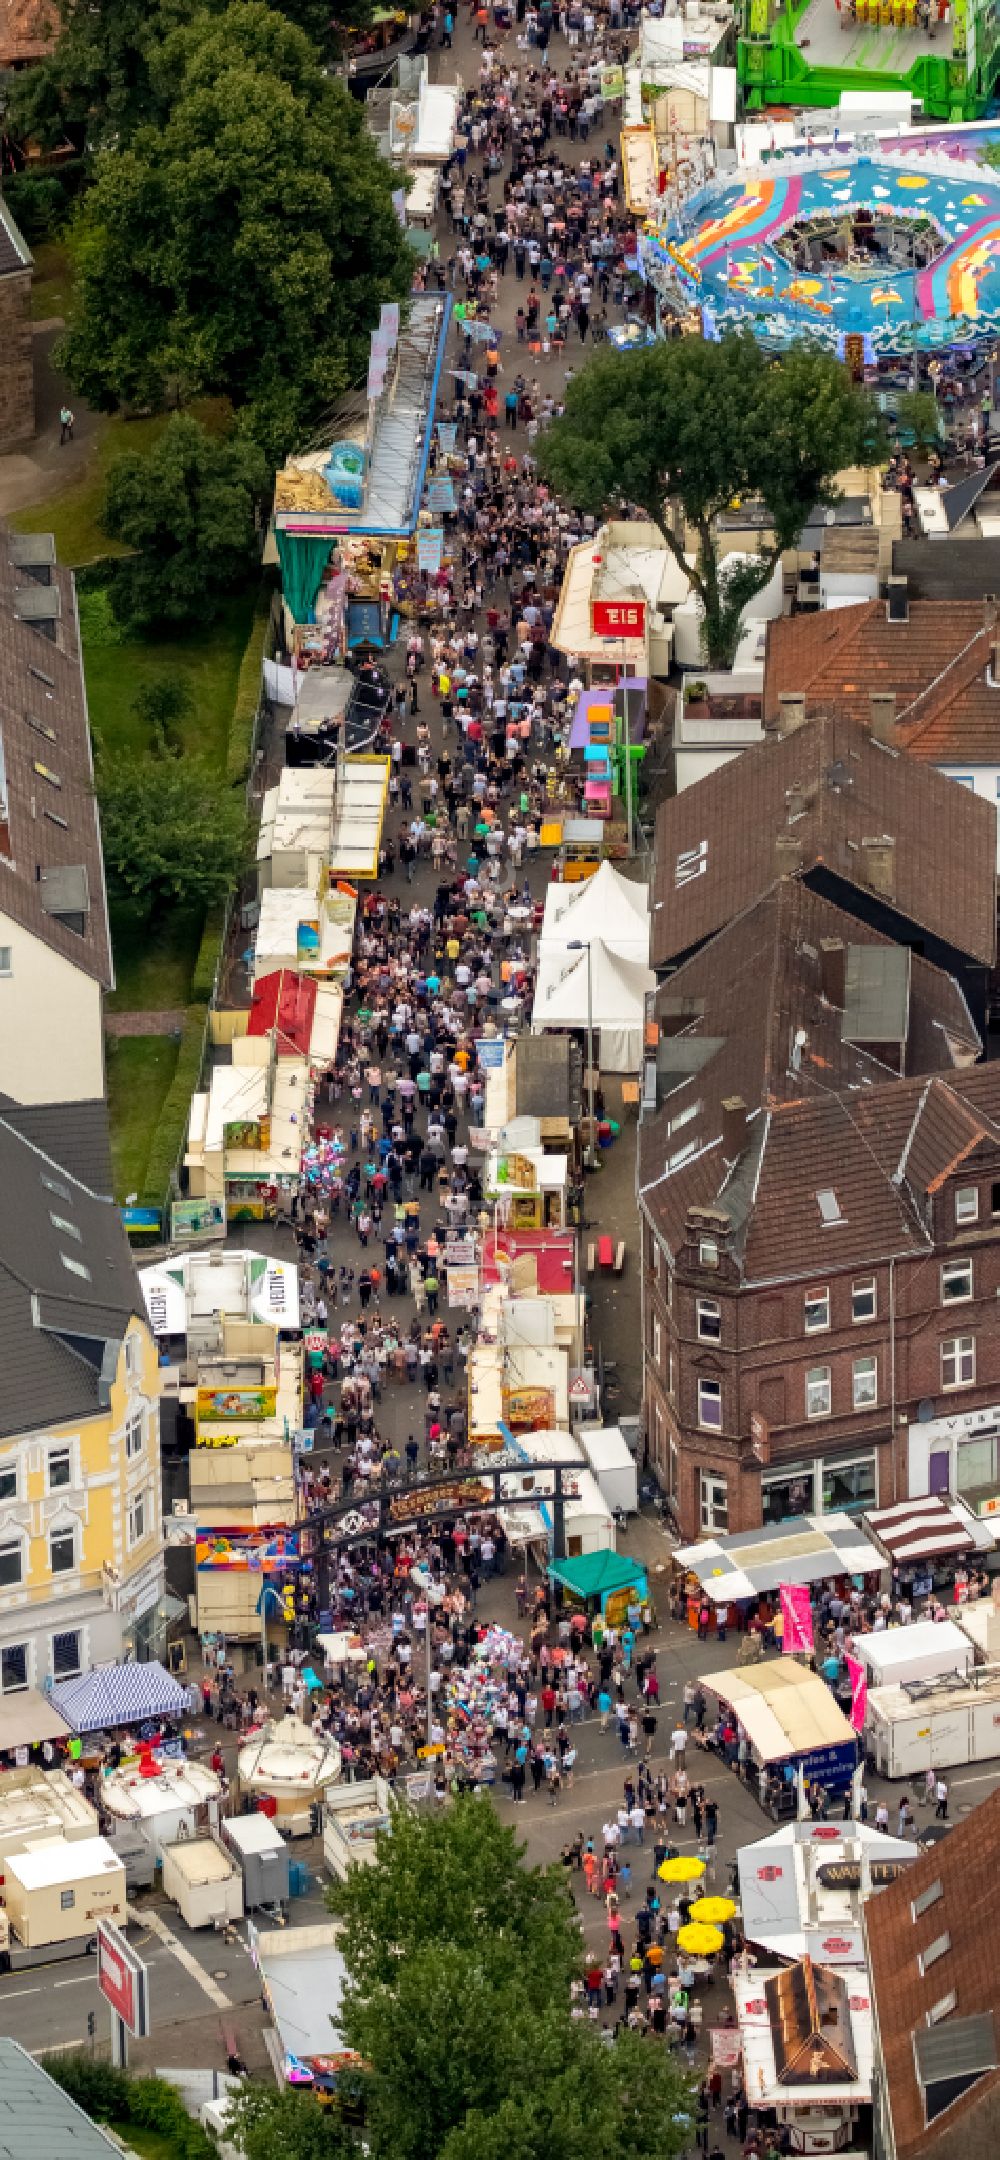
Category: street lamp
<point>583,945</point>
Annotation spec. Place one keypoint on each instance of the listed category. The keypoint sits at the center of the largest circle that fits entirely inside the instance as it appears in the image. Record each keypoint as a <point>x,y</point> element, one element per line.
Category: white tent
<point>615,997</point>
<point>607,906</point>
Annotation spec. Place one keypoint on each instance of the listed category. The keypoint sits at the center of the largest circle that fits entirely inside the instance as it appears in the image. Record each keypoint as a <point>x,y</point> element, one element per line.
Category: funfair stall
<point>788,1726</point>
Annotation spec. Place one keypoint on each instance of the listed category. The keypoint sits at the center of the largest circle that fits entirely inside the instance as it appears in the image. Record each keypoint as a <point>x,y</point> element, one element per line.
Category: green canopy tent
<point>303,561</point>
<point>593,1578</point>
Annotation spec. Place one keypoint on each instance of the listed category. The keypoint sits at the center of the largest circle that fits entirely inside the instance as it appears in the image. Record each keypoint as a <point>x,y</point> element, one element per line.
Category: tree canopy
<point>174,835</point>
<point>188,510</point>
<point>459,1962</point>
<point>702,425</point>
<point>103,80</point>
<point>245,243</point>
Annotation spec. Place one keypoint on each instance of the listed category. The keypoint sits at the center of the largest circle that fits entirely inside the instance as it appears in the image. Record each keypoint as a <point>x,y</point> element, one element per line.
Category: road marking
<point>12,1994</point>
<point>159,1927</point>
<point>82,1980</point>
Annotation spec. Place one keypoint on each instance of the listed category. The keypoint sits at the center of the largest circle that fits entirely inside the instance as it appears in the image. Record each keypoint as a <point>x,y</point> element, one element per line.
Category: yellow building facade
<point>81,1557</point>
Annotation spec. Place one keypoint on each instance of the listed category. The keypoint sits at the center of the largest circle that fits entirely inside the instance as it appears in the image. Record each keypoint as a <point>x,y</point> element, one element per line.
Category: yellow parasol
<point>682,1869</point>
<point>714,1910</point>
<point>700,1940</point>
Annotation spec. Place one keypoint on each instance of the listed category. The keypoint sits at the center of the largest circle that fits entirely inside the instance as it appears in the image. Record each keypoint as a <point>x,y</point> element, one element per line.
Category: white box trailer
<point>204,1881</point>
<point>922,1651</point>
<point>613,1465</point>
<point>56,1891</point>
<point>948,1723</point>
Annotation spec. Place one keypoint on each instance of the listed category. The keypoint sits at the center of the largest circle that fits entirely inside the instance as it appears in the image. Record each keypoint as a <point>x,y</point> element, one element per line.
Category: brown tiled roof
<point>938,663</point>
<point>48,809</point>
<point>824,1113</point>
<point>28,30</point>
<point>967,1865</point>
<point>721,837</point>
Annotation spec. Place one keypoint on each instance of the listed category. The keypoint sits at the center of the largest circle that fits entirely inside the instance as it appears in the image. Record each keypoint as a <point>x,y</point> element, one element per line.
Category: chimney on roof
<point>734,1127</point>
<point>791,711</point>
<point>878,865</point>
<point>897,601</point>
<point>882,716</point>
<point>788,851</point>
<point>833,971</point>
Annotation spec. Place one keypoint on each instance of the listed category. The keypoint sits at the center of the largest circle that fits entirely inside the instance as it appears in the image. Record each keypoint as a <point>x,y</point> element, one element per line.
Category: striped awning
<point>924,1529</point>
<point>118,1695</point>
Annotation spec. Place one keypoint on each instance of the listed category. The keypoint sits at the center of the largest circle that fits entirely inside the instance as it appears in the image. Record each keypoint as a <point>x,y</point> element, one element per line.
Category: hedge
<point>248,689</point>
<point>203,979</point>
<point>150,2103</point>
<point>172,1124</point>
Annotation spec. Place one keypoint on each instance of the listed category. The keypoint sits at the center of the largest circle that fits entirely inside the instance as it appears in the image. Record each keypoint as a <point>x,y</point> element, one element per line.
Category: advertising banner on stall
<point>463,1288</point>
<point>197,1219</point>
<point>430,549</point>
<point>441,495</point>
<point>447,435</point>
<point>245,1551</point>
<point>612,84</point>
<point>726,2047</point>
<point>389,320</point>
<point>796,1612</point>
<point>858,1675</point>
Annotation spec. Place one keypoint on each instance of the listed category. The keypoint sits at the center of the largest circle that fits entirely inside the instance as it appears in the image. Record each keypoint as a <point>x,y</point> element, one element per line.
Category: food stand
<point>740,1570</point>
<point>603,1583</point>
<point>790,1728</point>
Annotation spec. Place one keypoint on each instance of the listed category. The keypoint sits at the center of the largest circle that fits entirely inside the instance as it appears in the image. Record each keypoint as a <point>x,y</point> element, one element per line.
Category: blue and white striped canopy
<point>118,1695</point>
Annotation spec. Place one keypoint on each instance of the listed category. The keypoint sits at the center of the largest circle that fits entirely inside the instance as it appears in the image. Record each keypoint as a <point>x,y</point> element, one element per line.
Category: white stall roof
<point>304,1974</point>
<point>918,1652</point>
<point>807,1548</point>
<point>801,1889</point>
<point>60,1860</point>
<point>783,1708</point>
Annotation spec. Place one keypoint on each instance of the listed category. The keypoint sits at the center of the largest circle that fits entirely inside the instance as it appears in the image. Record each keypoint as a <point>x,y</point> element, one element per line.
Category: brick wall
<point>17,382</point>
<point>754,1348</point>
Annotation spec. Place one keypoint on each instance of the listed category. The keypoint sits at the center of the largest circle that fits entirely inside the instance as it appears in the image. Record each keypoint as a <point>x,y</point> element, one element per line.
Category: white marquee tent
<point>615,997</point>
<point>607,906</point>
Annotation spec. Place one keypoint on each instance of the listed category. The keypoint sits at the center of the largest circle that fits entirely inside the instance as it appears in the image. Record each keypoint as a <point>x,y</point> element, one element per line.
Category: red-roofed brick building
<point>938,661</point>
<point>931,1942</point>
<point>819,1187</point>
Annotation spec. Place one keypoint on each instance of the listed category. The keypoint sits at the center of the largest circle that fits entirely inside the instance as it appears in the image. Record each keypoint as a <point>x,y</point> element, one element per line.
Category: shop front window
<point>977,1464</point>
<point>784,1493</point>
<point>850,1486</point>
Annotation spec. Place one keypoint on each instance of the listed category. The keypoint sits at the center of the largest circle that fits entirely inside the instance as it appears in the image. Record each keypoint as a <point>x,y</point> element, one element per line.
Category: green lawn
<point>152,2144</point>
<point>73,515</point>
<point>153,967</point>
<point>154,971</point>
<point>209,663</point>
<point>140,1070</point>
<point>52,284</point>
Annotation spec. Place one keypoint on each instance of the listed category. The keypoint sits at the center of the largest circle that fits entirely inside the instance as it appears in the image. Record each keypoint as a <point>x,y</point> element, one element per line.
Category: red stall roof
<point>286,1002</point>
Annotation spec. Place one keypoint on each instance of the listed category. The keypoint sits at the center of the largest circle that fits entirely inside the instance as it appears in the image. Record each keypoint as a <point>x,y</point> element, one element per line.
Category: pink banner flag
<point>796,1612</point>
<point>859,1692</point>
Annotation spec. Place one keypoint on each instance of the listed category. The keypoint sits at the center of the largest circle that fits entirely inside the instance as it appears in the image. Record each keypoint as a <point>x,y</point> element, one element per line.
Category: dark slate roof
<point>68,1285</point>
<point>826,795</point>
<point>76,1134</point>
<point>37,2117</point>
<point>49,824</point>
<point>825,1114</point>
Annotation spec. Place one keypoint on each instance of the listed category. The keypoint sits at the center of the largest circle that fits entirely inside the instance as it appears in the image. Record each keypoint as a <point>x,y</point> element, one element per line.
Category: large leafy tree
<point>267,2124</point>
<point>459,1960</point>
<point>188,511</point>
<point>699,424</point>
<point>103,81</point>
<point>174,835</point>
<point>243,246</point>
